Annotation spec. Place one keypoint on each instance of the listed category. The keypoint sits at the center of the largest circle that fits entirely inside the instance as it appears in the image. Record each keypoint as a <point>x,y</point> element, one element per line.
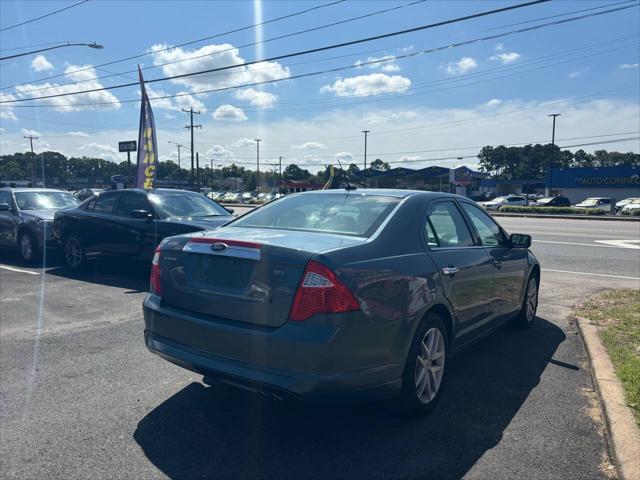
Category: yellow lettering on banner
<point>148,172</point>
<point>148,183</point>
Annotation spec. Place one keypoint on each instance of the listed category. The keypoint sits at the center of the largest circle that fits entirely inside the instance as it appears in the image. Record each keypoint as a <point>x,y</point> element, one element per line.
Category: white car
<point>600,203</point>
<point>231,197</point>
<point>622,203</point>
<point>632,207</point>
<point>498,202</point>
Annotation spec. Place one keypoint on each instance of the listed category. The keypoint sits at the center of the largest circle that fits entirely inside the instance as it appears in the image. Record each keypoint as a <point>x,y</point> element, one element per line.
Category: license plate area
<point>222,271</point>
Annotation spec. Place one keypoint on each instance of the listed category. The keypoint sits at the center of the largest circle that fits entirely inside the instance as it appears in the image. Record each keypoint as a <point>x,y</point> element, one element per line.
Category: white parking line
<point>591,274</point>
<point>5,267</point>
<point>581,244</point>
<point>622,243</point>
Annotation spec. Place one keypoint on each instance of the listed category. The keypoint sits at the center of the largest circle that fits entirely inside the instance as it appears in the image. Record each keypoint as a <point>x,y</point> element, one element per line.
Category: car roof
<point>31,189</point>
<point>388,192</point>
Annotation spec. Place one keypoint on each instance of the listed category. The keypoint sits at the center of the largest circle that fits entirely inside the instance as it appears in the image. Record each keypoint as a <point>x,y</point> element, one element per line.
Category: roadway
<point>82,398</point>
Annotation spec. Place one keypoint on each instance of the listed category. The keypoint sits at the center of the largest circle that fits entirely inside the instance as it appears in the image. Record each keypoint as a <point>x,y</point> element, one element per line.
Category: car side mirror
<point>143,214</point>
<point>520,240</point>
<point>5,207</point>
<point>230,210</point>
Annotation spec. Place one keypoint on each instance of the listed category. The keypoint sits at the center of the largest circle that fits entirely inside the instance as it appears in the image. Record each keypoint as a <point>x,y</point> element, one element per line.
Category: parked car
<point>622,203</point>
<point>361,293</point>
<point>496,203</point>
<point>26,216</point>
<point>631,207</point>
<point>246,197</point>
<point>131,223</point>
<point>601,203</point>
<point>553,202</point>
<point>231,197</point>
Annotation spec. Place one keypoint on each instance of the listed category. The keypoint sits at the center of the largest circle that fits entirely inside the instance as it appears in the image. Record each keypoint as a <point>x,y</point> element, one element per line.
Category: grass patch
<point>617,314</point>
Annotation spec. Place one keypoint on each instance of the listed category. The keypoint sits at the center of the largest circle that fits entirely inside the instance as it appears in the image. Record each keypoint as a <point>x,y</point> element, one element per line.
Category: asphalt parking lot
<point>82,398</point>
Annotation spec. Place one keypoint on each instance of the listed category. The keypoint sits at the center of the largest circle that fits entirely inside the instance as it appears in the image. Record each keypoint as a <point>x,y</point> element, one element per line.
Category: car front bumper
<point>315,361</point>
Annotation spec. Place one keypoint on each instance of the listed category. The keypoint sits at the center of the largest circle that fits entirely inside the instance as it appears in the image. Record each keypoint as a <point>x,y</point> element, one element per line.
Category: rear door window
<point>448,225</point>
<point>130,202</point>
<point>105,203</point>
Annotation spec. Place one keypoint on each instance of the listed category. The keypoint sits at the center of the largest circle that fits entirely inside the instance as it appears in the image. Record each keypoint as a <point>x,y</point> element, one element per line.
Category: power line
<point>236,30</point>
<point>295,54</point>
<point>219,52</point>
<point>43,16</point>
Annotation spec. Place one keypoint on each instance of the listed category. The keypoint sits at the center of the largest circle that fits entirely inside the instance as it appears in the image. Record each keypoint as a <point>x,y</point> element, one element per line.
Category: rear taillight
<point>320,291</point>
<point>155,273</point>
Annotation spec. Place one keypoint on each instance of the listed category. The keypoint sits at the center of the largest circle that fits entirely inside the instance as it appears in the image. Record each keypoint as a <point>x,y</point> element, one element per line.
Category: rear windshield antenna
<point>346,176</point>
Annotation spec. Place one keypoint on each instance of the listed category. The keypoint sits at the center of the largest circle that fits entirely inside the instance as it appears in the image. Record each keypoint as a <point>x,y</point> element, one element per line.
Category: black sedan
<point>337,294</point>
<point>131,223</point>
<point>553,202</point>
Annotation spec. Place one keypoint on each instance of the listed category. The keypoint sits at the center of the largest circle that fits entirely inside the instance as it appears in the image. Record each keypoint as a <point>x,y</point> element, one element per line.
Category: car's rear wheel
<point>28,247</point>
<point>74,253</point>
<point>527,313</point>
<point>426,367</point>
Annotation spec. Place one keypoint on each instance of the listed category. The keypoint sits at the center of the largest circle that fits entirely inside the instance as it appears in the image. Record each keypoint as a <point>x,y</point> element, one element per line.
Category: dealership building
<point>575,183</point>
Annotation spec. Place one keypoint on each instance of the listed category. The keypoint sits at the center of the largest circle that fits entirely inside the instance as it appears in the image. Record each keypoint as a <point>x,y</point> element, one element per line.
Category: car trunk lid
<point>247,275</point>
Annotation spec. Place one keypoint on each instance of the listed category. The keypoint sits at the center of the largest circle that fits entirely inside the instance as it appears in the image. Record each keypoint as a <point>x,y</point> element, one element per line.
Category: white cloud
<point>184,100</point>
<point>213,57</point>
<point>244,143</point>
<point>344,156</point>
<point>2,130</point>
<point>505,57</point>
<point>34,133</point>
<point>218,152</point>
<point>72,103</point>
<point>411,158</point>
<point>499,47</point>
<point>229,113</point>
<point>385,63</point>
<point>6,112</point>
<point>461,66</point>
<point>629,65</point>
<point>93,146</point>
<point>575,74</point>
<point>366,85</point>
<point>494,102</point>
<point>78,134</point>
<point>40,64</point>
<point>374,118</point>
<point>257,98</point>
<point>310,146</point>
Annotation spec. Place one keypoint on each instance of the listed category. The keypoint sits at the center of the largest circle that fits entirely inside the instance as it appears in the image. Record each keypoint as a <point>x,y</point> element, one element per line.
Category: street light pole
<point>179,168</point>
<point>366,133</point>
<point>33,165</point>
<point>553,151</point>
<point>258,164</point>
<point>90,45</point>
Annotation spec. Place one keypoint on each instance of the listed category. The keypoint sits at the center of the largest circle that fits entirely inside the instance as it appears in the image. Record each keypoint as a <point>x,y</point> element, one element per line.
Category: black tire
<point>412,403</point>
<point>527,313</point>
<point>28,248</point>
<point>73,251</point>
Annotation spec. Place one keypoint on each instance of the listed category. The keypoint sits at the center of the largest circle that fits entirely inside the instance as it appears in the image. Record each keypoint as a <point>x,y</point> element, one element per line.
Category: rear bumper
<point>317,362</point>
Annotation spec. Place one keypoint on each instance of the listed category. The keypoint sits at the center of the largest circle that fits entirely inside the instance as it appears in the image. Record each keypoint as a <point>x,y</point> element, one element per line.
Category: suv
<point>600,203</point>
<point>26,216</point>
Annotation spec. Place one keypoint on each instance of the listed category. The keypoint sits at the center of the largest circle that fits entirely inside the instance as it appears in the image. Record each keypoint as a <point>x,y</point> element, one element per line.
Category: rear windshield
<point>343,213</point>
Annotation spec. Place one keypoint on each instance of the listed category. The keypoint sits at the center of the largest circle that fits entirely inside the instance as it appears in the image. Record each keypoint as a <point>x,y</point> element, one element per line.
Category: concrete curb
<point>624,434</point>
<point>569,217</point>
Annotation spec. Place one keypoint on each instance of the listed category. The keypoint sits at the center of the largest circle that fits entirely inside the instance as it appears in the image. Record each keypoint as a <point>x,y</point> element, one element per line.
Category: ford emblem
<point>219,246</point>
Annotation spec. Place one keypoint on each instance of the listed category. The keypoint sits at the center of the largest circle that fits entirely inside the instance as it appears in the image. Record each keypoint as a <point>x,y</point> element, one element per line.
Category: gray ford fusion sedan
<point>340,294</point>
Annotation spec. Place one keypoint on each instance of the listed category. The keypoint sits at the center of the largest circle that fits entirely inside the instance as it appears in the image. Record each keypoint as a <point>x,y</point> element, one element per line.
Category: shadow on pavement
<point>220,432</point>
<point>112,272</point>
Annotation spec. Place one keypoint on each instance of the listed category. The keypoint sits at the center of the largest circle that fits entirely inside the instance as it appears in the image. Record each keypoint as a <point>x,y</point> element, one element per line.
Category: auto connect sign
<point>608,177</point>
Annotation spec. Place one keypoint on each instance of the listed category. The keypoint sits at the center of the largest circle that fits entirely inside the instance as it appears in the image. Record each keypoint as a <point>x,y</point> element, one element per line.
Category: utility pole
<point>33,165</point>
<point>366,133</point>
<point>197,171</point>
<point>553,151</point>
<point>528,170</point>
<point>258,164</point>
<point>280,179</point>
<point>191,126</point>
<point>179,168</point>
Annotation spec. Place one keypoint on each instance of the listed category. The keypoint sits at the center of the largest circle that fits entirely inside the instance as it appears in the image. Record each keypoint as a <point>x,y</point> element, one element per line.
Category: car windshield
<point>45,200</point>
<point>636,201</point>
<point>185,205</point>
<point>545,200</point>
<point>348,214</point>
<point>498,199</point>
<point>590,201</point>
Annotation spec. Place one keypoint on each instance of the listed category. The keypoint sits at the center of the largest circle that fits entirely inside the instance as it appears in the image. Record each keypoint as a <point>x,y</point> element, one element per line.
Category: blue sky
<point>424,110</point>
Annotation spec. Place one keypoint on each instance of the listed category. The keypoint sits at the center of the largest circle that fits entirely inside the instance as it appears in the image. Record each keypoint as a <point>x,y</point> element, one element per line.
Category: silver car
<point>26,218</point>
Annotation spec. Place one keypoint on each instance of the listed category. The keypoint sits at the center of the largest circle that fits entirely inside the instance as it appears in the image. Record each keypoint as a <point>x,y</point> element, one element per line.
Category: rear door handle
<point>450,270</point>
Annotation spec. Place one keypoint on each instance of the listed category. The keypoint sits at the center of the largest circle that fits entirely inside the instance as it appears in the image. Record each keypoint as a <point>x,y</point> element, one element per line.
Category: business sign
<point>129,146</point>
<point>621,176</point>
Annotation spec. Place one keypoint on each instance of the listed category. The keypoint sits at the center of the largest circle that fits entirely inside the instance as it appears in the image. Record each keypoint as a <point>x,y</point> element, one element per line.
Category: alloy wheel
<point>73,252</point>
<point>26,247</point>
<point>430,365</point>
<point>532,299</point>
